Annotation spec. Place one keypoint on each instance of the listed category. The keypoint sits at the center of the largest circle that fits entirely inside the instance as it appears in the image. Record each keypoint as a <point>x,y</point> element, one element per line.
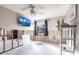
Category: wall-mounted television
<point>23,21</point>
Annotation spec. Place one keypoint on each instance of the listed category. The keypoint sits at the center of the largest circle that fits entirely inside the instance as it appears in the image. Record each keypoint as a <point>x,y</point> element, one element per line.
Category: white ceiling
<point>49,10</point>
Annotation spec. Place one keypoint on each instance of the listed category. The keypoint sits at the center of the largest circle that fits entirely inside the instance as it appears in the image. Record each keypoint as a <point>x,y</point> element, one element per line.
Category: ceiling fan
<point>33,9</point>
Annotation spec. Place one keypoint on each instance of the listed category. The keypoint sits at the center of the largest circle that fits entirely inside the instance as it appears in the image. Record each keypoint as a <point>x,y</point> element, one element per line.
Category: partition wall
<point>10,39</point>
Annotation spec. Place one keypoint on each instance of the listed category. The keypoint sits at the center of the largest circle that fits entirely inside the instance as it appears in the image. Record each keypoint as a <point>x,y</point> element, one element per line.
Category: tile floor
<point>37,48</point>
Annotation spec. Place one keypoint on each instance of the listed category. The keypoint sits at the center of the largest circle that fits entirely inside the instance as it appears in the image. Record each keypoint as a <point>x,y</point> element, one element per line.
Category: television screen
<point>23,21</point>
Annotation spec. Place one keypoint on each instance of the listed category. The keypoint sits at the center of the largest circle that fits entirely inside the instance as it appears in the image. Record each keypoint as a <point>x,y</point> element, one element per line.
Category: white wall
<point>8,20</point>
<point>52,23</point>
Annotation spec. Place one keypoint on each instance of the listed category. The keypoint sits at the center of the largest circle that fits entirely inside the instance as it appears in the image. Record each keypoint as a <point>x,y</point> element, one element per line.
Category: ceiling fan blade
<point>38,8</point>
<point>40,13</point>
<point>27,7</point>
<point>31,6</point>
